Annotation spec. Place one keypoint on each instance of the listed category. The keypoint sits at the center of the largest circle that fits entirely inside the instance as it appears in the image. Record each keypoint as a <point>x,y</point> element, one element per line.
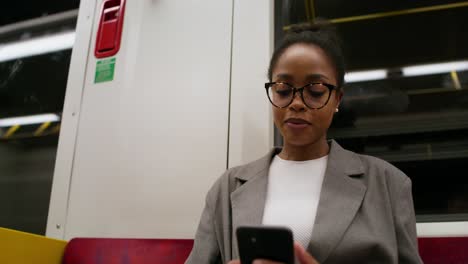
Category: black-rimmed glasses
<point>314,95</point>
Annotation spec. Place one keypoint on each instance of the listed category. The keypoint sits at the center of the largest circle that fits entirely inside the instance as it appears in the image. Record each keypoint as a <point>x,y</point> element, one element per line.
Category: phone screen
<point>262,242</point>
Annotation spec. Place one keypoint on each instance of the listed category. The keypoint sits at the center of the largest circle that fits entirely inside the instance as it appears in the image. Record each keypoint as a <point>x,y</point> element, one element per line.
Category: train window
<point>35,50</point>
<point>406,96</point>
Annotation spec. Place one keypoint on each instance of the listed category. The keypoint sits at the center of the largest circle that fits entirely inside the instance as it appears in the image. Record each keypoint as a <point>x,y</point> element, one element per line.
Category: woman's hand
<point>301,255</point>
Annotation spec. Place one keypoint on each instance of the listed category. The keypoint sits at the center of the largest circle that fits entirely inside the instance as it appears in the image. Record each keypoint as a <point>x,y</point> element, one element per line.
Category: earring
<point>337,110</point>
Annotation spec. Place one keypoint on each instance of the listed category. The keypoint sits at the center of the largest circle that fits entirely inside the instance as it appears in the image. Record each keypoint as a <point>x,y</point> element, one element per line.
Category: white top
<point>293,195</point>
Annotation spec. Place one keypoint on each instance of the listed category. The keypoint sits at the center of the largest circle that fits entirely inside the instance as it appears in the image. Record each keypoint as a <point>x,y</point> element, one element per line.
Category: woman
<point>341,206</point>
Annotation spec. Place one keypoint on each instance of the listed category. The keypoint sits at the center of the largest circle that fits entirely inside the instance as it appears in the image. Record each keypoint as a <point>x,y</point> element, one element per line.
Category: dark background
<point>420,124</point>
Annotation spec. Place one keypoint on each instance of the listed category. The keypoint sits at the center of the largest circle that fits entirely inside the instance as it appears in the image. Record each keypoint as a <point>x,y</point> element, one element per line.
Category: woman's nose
<point>297,104</point>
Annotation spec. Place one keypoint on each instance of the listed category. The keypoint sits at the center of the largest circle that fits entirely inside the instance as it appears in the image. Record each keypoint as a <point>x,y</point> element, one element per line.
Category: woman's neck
<point>307,152</point>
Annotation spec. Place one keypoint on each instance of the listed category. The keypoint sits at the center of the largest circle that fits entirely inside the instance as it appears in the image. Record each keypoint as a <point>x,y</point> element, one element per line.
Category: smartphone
<point>264,242</point>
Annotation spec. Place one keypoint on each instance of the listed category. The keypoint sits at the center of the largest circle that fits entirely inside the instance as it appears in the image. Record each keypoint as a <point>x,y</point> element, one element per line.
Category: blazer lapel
<point>248,200</point>
<point>340,199</point>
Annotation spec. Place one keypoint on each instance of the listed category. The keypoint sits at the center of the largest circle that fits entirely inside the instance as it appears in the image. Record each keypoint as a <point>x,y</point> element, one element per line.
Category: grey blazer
<point>365,213</point>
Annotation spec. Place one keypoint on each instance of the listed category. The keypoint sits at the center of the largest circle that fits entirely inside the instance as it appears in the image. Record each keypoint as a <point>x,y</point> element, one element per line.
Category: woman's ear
<point>338,96</point>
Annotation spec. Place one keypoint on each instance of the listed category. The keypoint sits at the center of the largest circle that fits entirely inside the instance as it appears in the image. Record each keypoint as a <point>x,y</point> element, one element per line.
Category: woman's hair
<point>322,34</point>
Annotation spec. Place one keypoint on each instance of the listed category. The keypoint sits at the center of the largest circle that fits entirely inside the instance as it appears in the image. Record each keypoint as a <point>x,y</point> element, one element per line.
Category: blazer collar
<point>257,168</point>
<point>340,198</point>
<point>348,162</point>
<point>248,200</point>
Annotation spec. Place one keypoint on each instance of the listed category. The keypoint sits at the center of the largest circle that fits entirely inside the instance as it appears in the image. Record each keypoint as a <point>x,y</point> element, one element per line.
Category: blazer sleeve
<point>405,222</point>
<point>205,248</point>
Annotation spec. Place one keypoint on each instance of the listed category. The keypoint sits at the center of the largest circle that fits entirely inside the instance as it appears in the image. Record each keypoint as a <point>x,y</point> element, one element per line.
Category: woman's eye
<point>315,93</point>
<point>283,92</point>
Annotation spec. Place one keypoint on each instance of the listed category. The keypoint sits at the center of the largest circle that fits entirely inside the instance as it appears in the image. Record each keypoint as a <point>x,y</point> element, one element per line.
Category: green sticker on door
<point>104,70</point>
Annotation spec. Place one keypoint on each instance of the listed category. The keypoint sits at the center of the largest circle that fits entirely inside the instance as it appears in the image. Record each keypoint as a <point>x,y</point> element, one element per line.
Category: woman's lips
<point>296,123</point>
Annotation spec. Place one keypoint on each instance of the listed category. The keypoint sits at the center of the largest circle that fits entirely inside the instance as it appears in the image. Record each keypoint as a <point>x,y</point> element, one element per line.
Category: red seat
<point>127,251</point>
<point>444,250</point>
<point>433,250</point>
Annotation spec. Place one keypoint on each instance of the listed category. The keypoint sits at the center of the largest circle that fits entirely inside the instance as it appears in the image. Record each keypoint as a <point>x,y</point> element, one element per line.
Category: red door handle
<point>110,28</point>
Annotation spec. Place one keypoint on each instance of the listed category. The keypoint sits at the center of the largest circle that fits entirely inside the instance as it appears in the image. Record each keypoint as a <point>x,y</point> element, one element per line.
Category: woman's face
<point>299,65</point>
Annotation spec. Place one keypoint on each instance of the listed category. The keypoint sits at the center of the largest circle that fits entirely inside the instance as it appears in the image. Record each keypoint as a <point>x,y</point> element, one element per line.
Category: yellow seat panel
<point>21,248</point>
